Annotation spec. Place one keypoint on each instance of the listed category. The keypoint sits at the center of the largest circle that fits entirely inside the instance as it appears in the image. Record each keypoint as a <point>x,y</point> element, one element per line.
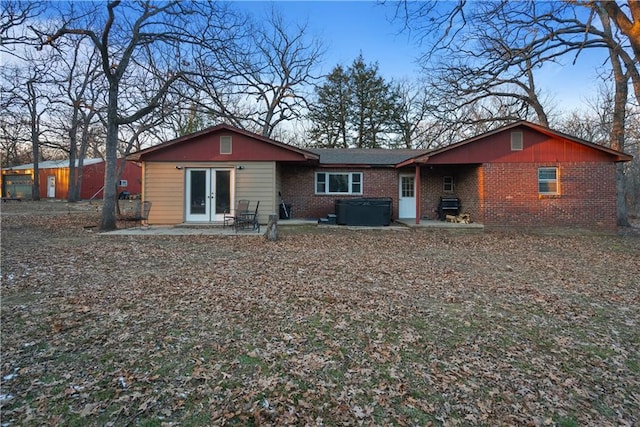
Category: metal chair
<point>242,207</point>
<point>248,220</point>
<point>140,215</point>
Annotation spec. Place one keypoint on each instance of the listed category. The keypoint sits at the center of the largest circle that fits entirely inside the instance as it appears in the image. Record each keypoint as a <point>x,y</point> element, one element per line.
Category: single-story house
<point>53,176</point>
<point>522,174</point>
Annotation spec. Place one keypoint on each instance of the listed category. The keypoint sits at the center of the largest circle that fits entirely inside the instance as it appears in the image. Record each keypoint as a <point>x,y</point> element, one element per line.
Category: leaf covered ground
<point>322,327</point>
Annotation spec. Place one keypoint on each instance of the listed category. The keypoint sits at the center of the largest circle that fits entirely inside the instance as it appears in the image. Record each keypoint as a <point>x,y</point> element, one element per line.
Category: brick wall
<point>587,196</point>
<point>496,195</point>
<point>467,185</point>
<point>298,189</point>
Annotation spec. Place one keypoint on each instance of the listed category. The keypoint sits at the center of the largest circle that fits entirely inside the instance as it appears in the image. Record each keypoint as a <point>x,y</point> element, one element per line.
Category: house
<point>53,178</point>
<point>519,175</point>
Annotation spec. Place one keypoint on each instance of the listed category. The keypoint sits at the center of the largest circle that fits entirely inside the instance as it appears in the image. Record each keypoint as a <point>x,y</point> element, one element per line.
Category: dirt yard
<point>322,327</point>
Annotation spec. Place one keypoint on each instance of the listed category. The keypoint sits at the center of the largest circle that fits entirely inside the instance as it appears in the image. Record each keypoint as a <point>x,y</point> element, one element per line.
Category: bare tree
<point>155,42</point>
<point>417,125</point>
<point>25,92</point>
<point>499,40</point>
<point>13,134</point>
<point>617,135</point>
<point>74,77</point>
<point>269,66</point>
<point>14,17</point>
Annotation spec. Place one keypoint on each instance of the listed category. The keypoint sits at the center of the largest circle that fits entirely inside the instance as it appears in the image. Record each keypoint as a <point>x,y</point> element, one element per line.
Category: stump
<point>272,228</point>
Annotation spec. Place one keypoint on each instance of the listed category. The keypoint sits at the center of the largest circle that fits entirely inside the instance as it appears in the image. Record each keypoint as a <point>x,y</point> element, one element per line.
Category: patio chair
<point>140,215</point>
<point>242,207</point>
<point>248,220</point>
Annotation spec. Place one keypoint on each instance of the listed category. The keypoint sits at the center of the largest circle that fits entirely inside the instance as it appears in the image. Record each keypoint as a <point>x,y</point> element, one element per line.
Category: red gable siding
<point>537,147</point>
<point>206,147</point>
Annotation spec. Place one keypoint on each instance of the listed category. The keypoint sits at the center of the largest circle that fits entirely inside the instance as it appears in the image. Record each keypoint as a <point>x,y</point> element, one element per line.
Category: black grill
<point>448,206</point>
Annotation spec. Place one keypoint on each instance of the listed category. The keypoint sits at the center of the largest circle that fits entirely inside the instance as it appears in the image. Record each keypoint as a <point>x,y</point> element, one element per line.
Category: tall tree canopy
<point>356,108</point>
<point>144,49</point>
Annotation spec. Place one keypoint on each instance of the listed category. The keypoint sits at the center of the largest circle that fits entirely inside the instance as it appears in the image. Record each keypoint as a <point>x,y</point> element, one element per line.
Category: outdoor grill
<point>448,206</point>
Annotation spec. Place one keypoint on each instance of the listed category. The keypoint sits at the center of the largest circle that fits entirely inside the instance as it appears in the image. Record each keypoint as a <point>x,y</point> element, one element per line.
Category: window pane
<point>356,183</point>
<point>321,183</point>
<point>548,181</point>
<point>448,184</point>
<point>546,173</point>
<point>338,183</point>
<point>408,183</point>
<point>548,187</point>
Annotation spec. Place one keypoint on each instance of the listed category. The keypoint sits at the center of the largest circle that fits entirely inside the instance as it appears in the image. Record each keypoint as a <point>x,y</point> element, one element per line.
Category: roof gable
<point>540,144</point>
<point>205,146</point>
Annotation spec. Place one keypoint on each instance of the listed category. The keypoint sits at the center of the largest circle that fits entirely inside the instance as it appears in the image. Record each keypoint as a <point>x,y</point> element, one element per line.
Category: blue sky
<point>350,27</point>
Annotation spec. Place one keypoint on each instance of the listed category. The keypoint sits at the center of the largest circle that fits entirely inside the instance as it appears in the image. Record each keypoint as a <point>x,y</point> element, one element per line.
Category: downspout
<point>417,190</point>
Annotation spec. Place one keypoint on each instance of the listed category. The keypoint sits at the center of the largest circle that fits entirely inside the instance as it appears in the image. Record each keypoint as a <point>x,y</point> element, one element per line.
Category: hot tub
<point>373,212</point>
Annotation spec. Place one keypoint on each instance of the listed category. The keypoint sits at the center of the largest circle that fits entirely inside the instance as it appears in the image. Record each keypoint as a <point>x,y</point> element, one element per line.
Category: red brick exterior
<point>587,196</point>
<point>298,189</point>
<point>466,184</point>
<point>495,194</point>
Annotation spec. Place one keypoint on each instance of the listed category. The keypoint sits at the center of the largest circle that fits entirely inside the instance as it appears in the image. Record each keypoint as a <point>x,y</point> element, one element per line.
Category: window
<point>123,183</point>
<point>447,184</point>
<point>548,182</point>
<point>516,141</point>
<point>338,183</point>
<point>407,186</point>
<point>225,145</point>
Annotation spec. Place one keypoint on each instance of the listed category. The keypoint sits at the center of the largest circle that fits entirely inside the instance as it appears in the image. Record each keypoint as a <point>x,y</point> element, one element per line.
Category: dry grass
<point>323,327</point>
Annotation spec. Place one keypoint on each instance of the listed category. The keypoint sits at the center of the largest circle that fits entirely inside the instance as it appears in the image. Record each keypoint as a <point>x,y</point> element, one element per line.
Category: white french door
<point>209,194</point>
<point>407,197</point>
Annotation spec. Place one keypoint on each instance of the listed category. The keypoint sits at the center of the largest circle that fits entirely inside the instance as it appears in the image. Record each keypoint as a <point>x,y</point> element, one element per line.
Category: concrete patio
<point>219,230</point>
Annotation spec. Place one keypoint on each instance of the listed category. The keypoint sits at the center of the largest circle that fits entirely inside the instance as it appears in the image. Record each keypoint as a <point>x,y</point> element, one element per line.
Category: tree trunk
<point>617,136</point>
<point>272,228</point>
<point>73,148</point>
<point>35,188</point>
<point>621,202</point>
<point>35,140</point>
<point>110,191</point>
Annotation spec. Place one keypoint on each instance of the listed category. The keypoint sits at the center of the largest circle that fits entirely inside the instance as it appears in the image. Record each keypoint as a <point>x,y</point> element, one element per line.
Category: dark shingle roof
<point>364,156</point>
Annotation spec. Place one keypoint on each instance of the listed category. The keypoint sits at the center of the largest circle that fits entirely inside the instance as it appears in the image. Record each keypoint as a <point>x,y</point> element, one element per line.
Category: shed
<point>53,176</point>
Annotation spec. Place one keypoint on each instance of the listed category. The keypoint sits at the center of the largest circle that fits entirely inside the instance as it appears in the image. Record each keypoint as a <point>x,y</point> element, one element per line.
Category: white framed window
<point>123,183</point>
<point>225,144</point>
<point>516,141</point>
<point>548,181</point>
<point>447,184</point>
<point>338,183</point>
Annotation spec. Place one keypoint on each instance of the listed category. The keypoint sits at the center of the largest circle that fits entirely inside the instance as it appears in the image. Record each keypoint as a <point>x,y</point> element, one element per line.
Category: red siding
<point>206,147</point>
<point>537,147</point>
<point>92,180</point>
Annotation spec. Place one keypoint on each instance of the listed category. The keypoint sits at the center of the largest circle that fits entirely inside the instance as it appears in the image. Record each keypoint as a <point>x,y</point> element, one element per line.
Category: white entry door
<point>407,197</point>
<point>51,186</point>
<point>209,194</point>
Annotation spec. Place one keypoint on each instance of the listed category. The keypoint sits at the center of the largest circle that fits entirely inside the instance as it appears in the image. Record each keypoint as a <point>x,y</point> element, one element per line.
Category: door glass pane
<point>198,192</point>
<point>223,192</point>
<point>408,186</point>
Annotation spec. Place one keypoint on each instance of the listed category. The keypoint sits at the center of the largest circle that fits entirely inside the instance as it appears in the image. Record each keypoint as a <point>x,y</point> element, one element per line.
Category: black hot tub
<point>375,211</point>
